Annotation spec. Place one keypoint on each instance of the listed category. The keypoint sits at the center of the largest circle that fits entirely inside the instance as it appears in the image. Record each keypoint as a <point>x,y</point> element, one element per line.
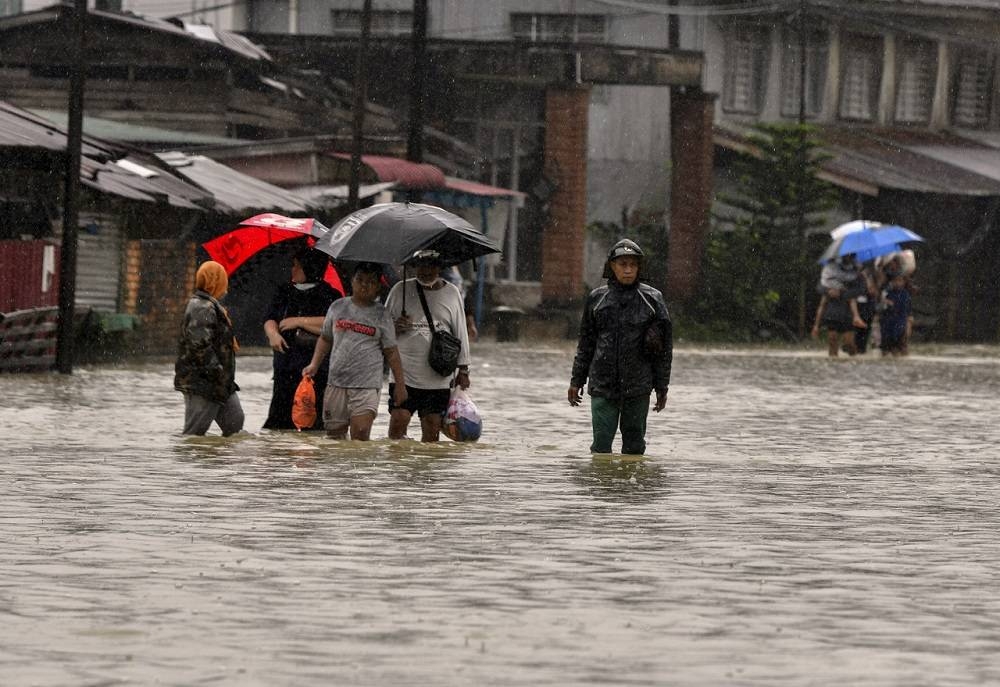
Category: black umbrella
<point>392,232</point>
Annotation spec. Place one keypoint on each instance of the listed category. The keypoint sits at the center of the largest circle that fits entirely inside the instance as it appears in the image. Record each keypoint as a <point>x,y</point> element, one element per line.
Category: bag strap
<point>427,311</point>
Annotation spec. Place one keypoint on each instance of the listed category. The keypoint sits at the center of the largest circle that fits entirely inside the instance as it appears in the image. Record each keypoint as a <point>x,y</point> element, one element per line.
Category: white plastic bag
<point>462,421</point>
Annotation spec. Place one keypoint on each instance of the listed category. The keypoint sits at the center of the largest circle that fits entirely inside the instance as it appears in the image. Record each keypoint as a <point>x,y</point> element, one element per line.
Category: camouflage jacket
<point>206,355</point>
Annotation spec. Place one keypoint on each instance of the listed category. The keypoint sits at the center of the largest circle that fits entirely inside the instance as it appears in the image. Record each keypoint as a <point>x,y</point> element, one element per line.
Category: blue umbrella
<point>869,243</point>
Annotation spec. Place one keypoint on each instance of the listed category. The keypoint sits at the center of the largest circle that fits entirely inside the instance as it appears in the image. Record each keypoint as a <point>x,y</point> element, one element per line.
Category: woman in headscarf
<point>292,325</point>
<point>206,360</point>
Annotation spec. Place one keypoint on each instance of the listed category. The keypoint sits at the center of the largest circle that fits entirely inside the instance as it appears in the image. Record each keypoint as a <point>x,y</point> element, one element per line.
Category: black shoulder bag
<point>445,346</point>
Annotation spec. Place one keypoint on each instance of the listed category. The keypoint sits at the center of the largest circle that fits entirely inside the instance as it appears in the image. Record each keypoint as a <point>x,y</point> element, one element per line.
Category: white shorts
<point>341,404</point>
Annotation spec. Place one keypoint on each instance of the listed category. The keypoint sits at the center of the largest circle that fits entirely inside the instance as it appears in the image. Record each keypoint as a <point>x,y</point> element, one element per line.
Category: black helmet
<point>625,247</point>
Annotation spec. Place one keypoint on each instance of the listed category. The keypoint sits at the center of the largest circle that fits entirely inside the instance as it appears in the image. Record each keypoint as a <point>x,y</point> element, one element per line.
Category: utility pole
<point>360,99</point>
<point>802,61</point>
<point>801,218</point>
<point>74,145</point>
<point>673,27</point>
<point>418,42</point>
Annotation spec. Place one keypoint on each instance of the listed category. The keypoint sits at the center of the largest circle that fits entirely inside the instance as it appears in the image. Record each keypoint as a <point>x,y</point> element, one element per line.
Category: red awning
<point>474,188</point>
<point>406,174</point>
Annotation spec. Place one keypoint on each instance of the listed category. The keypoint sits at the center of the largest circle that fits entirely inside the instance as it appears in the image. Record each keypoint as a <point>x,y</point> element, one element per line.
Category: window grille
<point>915,71</point>
<point>10,7</point>
<point>576,28</point>
<point>861,75</point>
<point>791,74</point>
<point>973,89</point>
<point>383,22</point>
<point>745,69</point>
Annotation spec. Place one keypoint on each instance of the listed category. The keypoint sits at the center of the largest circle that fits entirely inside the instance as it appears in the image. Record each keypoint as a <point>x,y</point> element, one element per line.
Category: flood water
<point>797,521</point>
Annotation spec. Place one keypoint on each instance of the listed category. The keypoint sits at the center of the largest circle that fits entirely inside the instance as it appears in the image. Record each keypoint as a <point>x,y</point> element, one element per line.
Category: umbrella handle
<point>403,313</point>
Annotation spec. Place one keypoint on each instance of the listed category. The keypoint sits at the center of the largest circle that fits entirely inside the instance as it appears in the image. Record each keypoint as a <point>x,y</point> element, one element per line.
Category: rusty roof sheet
<point>868,160</point>
<point>406,174</point>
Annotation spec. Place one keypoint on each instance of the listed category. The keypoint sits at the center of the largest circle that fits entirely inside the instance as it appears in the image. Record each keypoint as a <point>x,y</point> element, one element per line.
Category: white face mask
<point>427,284</point>
<point>305,287</point>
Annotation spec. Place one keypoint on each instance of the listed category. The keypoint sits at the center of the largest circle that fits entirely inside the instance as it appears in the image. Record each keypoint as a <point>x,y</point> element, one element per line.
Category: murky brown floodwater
<point>796,522</point>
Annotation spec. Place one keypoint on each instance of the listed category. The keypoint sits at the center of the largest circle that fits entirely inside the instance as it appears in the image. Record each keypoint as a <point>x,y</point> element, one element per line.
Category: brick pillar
<point>159,280</point>
<point>691,116</point>
<point>566,110</point>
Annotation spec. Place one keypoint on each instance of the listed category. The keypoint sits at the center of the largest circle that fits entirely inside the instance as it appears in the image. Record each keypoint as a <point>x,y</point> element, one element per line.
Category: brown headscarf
<point>211,278</point>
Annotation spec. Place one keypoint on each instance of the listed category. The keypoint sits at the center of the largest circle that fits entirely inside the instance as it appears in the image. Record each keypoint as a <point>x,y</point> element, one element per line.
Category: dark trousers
<point>608,414</point>
<point>861,336</point>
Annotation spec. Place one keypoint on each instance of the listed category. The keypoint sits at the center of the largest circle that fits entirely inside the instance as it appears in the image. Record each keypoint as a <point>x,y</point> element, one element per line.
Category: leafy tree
<point>758,263</point>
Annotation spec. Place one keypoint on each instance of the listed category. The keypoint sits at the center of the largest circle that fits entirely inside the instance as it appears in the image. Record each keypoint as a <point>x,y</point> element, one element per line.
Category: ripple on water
<point>796,521</point>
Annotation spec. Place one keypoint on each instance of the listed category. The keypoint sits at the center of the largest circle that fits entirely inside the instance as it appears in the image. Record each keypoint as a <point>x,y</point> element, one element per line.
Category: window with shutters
<point>582,28</point>
<point>745,69</point>
<point>916,68</point>
<point>383,22</point>
<point>860,77</point>
<point>816,49</point>
<point>972,88</point>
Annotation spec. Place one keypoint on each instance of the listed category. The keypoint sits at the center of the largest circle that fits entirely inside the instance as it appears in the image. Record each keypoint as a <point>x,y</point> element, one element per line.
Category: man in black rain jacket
<point>625,350</point>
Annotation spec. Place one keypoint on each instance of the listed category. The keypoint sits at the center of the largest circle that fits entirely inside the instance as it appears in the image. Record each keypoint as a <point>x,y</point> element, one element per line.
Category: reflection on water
<point>797,521</point>
<point>620,477</point>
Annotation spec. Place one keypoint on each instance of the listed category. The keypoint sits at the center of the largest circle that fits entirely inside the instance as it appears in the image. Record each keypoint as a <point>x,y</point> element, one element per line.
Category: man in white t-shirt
<point>427,392</point>
<point>360,334</point>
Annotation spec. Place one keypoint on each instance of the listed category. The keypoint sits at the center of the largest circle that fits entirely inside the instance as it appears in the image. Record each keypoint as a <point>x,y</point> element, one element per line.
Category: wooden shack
<point>164,73</point>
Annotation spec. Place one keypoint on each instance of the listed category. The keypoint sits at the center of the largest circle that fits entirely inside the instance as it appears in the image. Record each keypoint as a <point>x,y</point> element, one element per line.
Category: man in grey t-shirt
<point>360,334</point>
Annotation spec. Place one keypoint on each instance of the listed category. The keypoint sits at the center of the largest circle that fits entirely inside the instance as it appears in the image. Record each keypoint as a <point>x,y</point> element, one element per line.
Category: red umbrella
<point>234,248</point>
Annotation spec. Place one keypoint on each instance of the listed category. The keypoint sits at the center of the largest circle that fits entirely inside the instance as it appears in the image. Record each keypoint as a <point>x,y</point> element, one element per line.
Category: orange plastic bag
<point>304,405</point>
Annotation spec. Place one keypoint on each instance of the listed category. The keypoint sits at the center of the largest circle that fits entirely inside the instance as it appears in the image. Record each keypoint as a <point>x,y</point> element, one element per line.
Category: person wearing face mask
<point>205,370</point>
<point>292,325</point>
<point>624,352</point>
<point>427,392</point>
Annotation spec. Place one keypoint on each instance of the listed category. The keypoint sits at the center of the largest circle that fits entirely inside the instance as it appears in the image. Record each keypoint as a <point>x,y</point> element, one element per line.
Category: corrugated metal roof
<point>235,192</point>
<point>22,129</point>
<point>916,161</point>
<point>136,133</point>
<point>406,174</point>
<point>334,196</point>
<point>222,40</point>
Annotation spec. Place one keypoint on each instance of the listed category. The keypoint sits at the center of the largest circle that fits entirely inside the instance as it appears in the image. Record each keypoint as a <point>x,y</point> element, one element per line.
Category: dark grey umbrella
<point>391,233</point>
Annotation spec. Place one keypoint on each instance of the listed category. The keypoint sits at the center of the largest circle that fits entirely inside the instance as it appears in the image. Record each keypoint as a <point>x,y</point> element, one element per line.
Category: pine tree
<point>778,202</point>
